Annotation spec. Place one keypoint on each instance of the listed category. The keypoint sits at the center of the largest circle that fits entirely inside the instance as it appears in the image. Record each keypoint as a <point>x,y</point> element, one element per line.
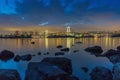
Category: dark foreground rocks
<point>96,50</point>
<point>43,71</point>
<point>112,55</point>
<point>6,55</point>
<point>46,71</point>
<point>50,69</point>
<point>63,63</point>
<point>6,74</point>
<point>116,71</point>
<point>101,73</point>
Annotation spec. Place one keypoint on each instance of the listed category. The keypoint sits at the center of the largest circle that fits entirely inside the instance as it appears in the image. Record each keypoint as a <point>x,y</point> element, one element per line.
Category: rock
<point>47,53</point>
<point>6,55</point>
<point>78,42</point>
<point>59,46</point>
<point>59,53</point>
<point>44,71</point>
<point>17,58</point>
<point>85,69</point>
<point>76,51</point>
<point>6,74</point>
<point>116,71</point>
<point>27,57</point>
<point>96,50</point>
<point>32,42</point>
<point>101,73</point>
<point>112,55</point>
<point>65,49</point>
<point>118,47</point>
<point>110,52</point>
<point>63,63</point>
<point>39,53</point>
<point>114,59</point>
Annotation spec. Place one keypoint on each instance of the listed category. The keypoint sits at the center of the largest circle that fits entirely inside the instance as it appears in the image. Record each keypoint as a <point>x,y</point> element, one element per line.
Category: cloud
<point>43,24</point>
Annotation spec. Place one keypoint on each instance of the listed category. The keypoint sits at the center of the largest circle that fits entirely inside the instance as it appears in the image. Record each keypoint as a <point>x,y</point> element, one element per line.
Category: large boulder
<point>96,50</point>
<point>44,71</point>
<point>101,73</point>
<point>6,55</point>
<point>114,59</point>
<point>27,57</point>
<point>63,63</point>
<point>116,71</point>
<point>6,74</point>
<point>111,52</point>
<point>112,55</point>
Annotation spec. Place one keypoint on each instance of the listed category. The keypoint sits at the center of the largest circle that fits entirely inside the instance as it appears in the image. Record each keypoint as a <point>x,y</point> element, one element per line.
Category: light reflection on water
<point>80,59</point>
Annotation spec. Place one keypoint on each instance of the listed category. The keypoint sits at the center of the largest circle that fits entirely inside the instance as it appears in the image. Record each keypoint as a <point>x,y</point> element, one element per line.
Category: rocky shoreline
<point>60,68</point>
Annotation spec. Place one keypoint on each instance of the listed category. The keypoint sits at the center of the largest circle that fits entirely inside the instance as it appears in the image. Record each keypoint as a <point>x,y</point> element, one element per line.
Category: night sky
<point>79,14</point>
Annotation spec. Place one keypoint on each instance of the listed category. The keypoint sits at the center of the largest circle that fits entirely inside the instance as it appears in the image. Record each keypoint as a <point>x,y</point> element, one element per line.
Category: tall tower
<point>68,29</point>
<point>46,33</point>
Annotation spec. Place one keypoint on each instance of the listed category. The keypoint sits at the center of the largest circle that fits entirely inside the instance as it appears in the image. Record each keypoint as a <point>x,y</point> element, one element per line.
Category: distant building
<point>68,29</point>
<point>17,33</point>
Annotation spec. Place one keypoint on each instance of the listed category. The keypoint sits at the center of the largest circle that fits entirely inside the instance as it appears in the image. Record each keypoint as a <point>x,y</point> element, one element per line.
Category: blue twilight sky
<point>83,14</point>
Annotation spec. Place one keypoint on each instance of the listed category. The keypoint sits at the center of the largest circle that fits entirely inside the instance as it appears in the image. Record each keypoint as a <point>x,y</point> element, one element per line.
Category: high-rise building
<point>68,29</point>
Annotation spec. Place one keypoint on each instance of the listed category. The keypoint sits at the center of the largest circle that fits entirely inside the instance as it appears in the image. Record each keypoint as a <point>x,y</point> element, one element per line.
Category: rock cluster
<point>50,69</point>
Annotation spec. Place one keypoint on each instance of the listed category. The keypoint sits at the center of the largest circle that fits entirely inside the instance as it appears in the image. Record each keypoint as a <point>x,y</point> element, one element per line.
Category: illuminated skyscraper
<point>68,29</point>
<point>46,33</point>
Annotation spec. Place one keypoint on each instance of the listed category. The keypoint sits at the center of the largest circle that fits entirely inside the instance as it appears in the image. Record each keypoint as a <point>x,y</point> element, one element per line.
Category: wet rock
<point>63,63</point>
<point>6,55</point>
<point>112,55</point>
<point>39,53</point>
<point>118,47</point>
<point>116,71</point>
<point>101,73</point>
<point>78,42</point>
<point>96,50</point>
<point>114,59</point>
<point>110,52</point>
<point>44,71</point>
<point>59,46</point>
<point>17,58</point>
<point>47,53</point>
<point>76,51</point>
<point>59,53</point>
<point>32,42</point>
<point>85,69</point>
<point>65,49</point>
<point>27,57</point>
<point>6,74</point>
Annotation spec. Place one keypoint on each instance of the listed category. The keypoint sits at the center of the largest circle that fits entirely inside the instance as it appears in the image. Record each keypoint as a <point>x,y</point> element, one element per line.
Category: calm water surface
<point>79,59</point>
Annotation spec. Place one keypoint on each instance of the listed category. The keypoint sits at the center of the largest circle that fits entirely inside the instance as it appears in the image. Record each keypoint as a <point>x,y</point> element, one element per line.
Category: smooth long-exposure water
<point>43,45</point>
